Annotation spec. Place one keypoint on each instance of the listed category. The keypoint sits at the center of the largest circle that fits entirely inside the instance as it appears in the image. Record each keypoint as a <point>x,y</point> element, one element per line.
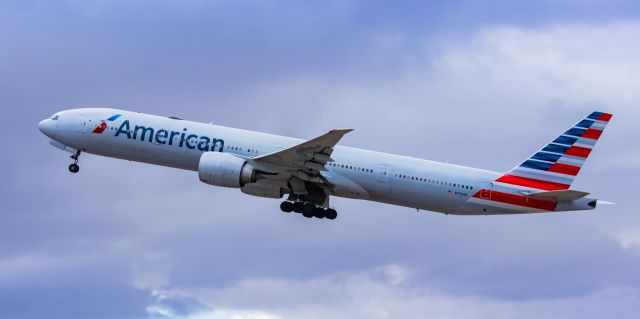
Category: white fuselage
<point>363,174</point>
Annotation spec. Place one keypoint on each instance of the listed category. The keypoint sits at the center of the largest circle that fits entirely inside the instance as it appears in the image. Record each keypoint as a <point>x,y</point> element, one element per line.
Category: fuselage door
<point>85,125</point>
<point>89,125</point>
<point>486,190</point>
<point>81,124</point>
<point>383,173</point>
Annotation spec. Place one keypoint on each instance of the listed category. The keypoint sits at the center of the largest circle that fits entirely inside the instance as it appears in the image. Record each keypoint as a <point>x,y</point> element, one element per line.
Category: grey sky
<point>471,82</point>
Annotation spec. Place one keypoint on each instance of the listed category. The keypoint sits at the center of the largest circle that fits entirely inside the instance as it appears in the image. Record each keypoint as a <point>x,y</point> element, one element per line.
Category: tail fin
<point>556,165</point>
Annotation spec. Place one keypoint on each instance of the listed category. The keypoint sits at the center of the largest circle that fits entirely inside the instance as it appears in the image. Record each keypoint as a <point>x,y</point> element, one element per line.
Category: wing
<point>304,161</point>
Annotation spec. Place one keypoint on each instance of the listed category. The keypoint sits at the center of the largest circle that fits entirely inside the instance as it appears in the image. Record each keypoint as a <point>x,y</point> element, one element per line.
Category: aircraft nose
<point>46,127</point>
<point>41,125</point>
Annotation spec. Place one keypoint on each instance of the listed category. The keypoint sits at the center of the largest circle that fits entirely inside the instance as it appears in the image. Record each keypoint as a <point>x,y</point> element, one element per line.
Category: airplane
<point>309,172</point>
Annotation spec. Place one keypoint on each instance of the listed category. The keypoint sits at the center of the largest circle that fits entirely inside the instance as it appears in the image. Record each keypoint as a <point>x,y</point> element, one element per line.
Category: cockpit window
<point>55,117</point>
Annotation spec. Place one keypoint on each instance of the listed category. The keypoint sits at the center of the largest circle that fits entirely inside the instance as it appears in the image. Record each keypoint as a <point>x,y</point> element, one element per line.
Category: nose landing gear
<point>74,168</point>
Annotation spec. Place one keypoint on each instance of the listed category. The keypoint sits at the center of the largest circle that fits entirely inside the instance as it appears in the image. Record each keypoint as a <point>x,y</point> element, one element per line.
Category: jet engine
<point>226,170</point>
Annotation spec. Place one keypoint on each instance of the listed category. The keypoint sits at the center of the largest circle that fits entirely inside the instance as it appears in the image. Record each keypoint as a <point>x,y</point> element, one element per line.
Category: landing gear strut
<point>74,168</point>
<point>308,210</point>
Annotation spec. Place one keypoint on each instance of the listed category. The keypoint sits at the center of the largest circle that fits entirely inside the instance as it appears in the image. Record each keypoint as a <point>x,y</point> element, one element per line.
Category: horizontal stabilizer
<point>565,195</point>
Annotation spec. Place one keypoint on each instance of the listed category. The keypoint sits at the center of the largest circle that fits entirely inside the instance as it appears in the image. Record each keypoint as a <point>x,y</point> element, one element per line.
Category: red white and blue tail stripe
<point>556,165</point>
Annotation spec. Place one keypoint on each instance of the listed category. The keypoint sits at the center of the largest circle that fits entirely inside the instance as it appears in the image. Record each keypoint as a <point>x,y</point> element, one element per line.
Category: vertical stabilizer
<point>556,165</point>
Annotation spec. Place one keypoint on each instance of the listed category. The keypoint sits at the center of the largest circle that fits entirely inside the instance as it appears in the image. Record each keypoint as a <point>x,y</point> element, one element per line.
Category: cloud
<point>374,294</point>
<point>578,63</point>
<point>124,239</point>
<point>629,239</point>
<point>548,76</point>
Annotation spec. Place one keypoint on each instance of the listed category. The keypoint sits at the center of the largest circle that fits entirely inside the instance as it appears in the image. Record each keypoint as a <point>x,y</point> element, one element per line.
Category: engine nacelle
<point>226,170</point>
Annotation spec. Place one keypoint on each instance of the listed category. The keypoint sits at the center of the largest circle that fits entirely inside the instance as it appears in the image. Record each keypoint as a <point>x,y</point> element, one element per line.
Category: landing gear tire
<point>308,210</point>
<point>298,207</point>
<point>319,212</point>
<point>331,214</point>
<point>286,207</point>
<point>74,168</point>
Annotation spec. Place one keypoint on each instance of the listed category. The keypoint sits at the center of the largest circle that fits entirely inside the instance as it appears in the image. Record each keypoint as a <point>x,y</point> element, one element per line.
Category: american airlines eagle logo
<point>103,125</point>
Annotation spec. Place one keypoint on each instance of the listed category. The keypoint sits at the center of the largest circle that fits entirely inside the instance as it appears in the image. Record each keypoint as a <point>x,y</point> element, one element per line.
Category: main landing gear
<point>74,168</point>
<point>308,210</point>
